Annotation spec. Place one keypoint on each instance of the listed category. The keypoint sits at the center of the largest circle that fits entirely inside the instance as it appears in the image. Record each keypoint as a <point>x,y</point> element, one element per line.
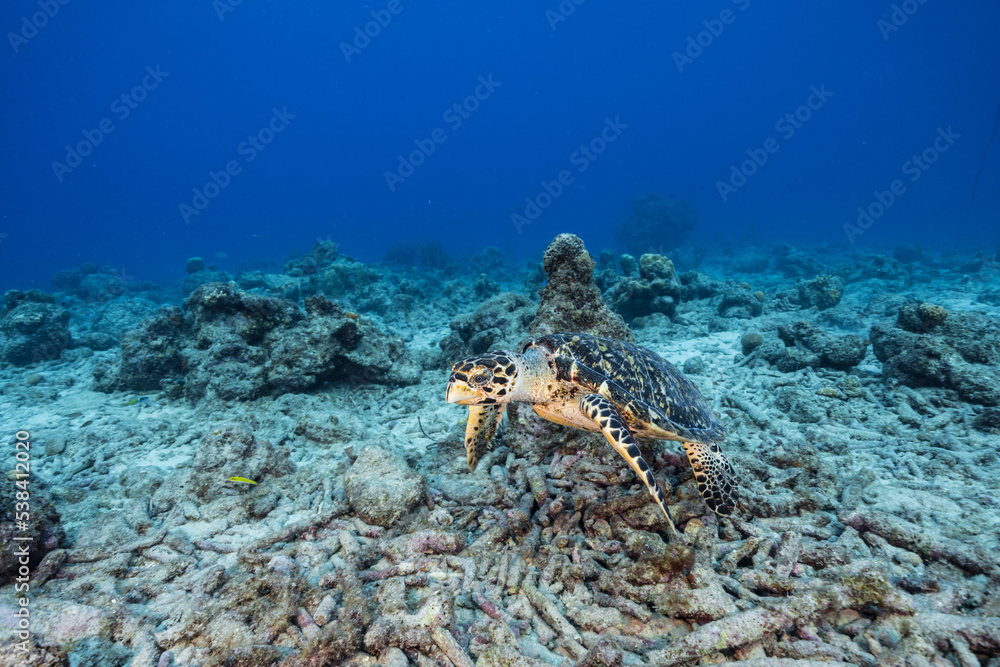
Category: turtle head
<point>484,379</point>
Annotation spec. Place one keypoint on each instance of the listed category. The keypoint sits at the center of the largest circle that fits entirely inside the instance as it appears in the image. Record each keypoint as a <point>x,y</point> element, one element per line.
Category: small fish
<point>137,400</point>
<point>222,255</point>
<point>244,480</point>
<point>74,415</point>
<point>799,343</point>
<point>87,423</point>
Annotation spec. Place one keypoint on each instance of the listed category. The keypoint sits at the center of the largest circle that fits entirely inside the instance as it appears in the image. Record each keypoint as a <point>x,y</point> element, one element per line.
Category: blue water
<point>555,82</point>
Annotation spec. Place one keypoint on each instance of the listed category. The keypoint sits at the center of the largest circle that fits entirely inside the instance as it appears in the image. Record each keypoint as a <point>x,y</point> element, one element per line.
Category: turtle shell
<point>648,390</point>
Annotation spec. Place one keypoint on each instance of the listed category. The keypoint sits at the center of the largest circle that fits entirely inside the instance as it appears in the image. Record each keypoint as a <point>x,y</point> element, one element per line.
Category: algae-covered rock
<point>381,487</point>
<point>70,279</point>
<point>739,300</point>
<point>218,308</point>
<point>122,315</point>
<point>332,345</point>
<point>928,346</point>
<point>698,285</point>
<point>570,298</point>
<point>196,280</point>
<point>502,321</point>
<point>102,286</point>
<point>151,353</point>
<point>807,345</point>
<point>822,292</point>
<point>34,328</point>
<point>235,345</point>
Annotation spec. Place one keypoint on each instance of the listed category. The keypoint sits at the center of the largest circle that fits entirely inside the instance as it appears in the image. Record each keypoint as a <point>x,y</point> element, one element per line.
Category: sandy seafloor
<point>869,534</point>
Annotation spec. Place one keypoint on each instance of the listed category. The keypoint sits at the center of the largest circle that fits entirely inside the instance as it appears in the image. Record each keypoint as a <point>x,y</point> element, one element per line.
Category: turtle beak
<point>460,393</point>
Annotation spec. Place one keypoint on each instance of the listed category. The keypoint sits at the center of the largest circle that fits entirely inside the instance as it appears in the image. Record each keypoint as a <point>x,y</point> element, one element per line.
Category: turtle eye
<point>481,377</point>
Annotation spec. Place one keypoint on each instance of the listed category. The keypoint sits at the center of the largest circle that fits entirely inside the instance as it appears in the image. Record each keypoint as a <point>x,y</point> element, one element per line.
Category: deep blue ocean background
<point>227,67</point>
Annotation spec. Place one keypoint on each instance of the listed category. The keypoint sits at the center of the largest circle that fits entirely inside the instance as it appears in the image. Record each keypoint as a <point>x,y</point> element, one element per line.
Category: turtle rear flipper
<point>715,477</point>
<point>480,429</point>
<point>604,413</point>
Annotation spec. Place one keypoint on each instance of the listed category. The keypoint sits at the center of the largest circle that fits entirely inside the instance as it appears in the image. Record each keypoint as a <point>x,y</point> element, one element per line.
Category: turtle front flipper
<point>480,429</point>
<point>715,477</point>
<point>604,413</point>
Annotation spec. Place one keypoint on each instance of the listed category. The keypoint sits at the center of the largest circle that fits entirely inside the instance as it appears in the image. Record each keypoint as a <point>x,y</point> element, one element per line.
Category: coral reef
<point>570,298</point>
<point>656,224</point>
<point>868,532</point>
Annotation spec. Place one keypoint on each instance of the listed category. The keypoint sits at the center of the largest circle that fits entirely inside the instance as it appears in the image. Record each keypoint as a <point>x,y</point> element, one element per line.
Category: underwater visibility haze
<point>393,332</point>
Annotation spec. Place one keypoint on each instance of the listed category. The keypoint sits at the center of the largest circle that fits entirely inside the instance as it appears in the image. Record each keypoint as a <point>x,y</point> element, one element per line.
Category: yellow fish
<point>242,479</point>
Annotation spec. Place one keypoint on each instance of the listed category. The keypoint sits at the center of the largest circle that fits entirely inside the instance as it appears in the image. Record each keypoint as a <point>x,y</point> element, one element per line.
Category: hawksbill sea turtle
<point>603,385</point>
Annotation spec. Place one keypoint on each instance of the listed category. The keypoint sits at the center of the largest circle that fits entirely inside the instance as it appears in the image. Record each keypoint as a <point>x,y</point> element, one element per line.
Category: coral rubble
<point>267,472</point>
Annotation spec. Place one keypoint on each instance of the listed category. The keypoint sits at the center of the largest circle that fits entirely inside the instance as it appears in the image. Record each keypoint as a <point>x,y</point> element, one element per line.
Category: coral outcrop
<point>928,346</point>
<point>822,292</point>
<point>803,344</point>
<point>500,322</point>
<point>33,328</point>
<point>656,290</point>
<point>236,345</point>
<point>570,298</point>
<point>739,300</point>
